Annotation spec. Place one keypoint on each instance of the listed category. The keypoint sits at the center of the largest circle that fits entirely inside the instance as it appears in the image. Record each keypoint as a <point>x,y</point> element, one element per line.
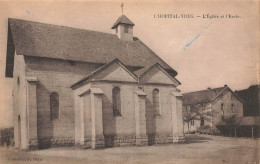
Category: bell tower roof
<point>122,20</point>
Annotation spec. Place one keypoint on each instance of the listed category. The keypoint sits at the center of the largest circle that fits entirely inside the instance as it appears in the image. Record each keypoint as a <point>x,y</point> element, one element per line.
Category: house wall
<point>56,76</point>
<point>215,106</point>
<point>227,101</point>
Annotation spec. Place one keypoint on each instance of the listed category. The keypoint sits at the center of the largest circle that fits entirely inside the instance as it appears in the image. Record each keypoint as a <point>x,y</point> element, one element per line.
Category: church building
<point>76,87</point>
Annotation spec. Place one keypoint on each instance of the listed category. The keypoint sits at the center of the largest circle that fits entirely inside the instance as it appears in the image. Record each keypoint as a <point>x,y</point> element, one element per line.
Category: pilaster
<point>31,112</point>
<point>140,119</point>
<point>177,122</point>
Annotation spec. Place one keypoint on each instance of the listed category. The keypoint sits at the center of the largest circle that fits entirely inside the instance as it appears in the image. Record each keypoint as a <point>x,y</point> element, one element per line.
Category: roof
<point>203,96</point>
<point>122,20</point>
<point>66,43</point>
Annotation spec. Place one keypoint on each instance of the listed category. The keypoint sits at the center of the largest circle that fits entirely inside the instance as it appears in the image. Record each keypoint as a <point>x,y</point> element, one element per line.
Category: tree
<point>196,112</point>
<point>231,122</point>
<point>187,116</point>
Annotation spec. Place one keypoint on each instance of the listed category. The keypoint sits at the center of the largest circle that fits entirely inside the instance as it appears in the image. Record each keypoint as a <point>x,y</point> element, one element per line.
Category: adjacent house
<point>92,89</point>
<point>208,107</point>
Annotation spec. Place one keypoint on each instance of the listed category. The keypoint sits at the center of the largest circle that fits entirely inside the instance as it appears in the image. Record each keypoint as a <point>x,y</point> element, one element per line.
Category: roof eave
<point>115,26</point>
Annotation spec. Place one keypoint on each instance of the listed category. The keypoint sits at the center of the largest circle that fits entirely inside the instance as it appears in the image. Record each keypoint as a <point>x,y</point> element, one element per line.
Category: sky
<point>206,52</point>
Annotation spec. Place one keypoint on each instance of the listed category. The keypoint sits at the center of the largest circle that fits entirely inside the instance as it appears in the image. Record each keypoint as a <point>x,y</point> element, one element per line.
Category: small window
<point>232,97</point>
<point>202,122</point>
<point>116,29</point>
<point>192,122</point>
<point>126,29</point>
<point>54,106</point>
<point>232,108</point>
<point>18,80</point>
<point>156,102</point>
<point>222,108</point>
<point>116,101</point>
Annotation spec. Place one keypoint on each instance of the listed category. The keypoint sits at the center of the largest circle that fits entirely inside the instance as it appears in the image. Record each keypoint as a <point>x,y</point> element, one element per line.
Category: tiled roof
<point>203,96</point>
<point>122,20</point>
<point>59,42</point>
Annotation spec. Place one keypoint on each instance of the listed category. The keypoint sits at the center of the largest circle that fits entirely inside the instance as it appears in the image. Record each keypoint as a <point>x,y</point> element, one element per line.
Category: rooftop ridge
<point>204,90</point>
<point>64,26</point>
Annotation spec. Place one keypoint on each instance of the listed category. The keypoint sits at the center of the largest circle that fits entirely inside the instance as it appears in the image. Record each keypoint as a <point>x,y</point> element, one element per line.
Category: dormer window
<point>126,29</point>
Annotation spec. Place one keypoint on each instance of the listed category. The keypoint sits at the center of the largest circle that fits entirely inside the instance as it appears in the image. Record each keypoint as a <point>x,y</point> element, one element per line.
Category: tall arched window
<point>116,101</point>
<point>156,102</point>
<point>54,105</point>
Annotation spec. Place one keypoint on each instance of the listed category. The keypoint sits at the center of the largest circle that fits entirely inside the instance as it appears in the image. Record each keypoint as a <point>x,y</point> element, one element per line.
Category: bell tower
<point>123,27</point>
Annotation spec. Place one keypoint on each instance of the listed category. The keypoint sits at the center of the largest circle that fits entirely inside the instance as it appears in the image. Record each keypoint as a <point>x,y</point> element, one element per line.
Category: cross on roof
<point>122,6</point>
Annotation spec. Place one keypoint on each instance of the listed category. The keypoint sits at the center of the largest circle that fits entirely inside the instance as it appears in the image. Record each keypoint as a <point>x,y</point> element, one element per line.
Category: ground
<point>197,149</point>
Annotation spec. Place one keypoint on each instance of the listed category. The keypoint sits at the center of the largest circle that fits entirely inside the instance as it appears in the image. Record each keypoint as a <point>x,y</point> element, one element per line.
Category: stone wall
<point>56,142</point>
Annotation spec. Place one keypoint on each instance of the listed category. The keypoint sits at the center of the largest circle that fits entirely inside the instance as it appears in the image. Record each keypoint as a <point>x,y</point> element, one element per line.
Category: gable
<point>156,75</point>
<point>227,93</point>
<point>115,73</point>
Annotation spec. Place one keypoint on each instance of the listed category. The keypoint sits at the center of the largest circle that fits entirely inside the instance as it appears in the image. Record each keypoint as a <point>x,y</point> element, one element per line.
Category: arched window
<point>54,105</point>
<point>116,101</point>
<point>156,102</point>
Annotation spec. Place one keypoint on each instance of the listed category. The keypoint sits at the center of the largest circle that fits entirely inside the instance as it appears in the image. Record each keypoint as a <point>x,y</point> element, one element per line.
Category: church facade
<point>91,89</point>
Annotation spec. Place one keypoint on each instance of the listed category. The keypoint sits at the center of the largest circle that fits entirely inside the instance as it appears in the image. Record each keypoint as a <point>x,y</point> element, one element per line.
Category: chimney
<point>225,85</point>
<point>209,88</point>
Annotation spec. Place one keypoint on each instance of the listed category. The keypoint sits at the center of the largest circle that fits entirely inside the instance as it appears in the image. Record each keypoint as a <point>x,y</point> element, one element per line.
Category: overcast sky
<point>205,52</point>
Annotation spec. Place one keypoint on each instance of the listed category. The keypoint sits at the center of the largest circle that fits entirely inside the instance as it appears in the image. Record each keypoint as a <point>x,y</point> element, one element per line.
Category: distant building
<point>251,96</point>
<point>209,106</point>
<point>93,89</point>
